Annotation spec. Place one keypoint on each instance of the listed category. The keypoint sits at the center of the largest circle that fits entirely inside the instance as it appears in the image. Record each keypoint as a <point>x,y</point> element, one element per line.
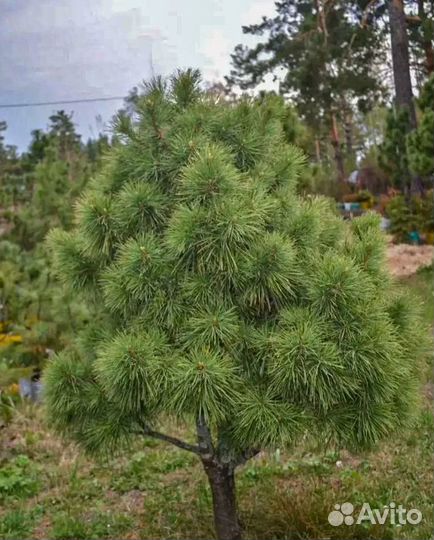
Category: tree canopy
<point>325,59</point>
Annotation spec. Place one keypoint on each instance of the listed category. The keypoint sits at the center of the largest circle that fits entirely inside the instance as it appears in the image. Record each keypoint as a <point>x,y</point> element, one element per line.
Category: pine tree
<point>327,59</point>
<point>57,167</point>
<point>420,142</point>
<point>401,60</point>
<point>220,297</point>
<point>14,180</point>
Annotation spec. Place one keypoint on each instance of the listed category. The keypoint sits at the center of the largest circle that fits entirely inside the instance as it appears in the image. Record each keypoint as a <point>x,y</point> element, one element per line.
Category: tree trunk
<point>400,59</point>
<point>401,72</point>
<point>349,135</point>
<point>337,150</point>
<point>222,482</point>
<point>429,56</point>
<point>317,150</point>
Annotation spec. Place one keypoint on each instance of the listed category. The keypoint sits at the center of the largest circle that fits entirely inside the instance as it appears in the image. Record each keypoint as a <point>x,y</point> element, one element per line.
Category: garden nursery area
<point>216,314</point>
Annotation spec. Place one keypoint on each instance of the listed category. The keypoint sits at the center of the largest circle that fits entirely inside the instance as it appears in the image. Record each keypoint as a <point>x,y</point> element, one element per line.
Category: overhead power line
<point>62,102</point>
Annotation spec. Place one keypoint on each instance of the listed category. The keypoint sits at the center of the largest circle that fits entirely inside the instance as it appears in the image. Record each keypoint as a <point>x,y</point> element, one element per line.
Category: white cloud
<point>259,9</point>
<point>216,49</point>
<point>62,49</point>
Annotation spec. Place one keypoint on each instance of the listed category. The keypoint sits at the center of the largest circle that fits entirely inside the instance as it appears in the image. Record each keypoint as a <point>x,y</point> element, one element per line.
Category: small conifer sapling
<point>223,299</point>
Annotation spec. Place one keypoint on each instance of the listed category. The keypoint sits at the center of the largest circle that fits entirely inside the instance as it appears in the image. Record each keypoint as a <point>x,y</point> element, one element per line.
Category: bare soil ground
<point>404,259</point>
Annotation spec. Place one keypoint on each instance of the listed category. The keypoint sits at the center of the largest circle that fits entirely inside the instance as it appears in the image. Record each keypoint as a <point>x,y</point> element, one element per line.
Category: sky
<point>52,50</point>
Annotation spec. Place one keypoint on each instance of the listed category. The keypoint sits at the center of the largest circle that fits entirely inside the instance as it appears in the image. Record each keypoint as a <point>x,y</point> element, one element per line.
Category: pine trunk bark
<point>401,59</point>
<point>222,482</point>
<point>401,73</point>
<point>339,160</point>
<point>349,135</point>
<point>429,56</point>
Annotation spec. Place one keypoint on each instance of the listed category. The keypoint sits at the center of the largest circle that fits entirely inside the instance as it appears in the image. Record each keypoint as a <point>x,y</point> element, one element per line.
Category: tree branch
<point>173,440</point>
<point>204,439</point>
<point>365,15</point>
<point>413,19</point>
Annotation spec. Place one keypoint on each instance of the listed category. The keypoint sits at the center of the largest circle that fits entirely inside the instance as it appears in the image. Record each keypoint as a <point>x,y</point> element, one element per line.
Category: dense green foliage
<point>35,309</point>
<point>420,143</point>
<point>393,156</point>
<point>403,152</point>
<point>416,214</point>
<point>39,189</point>
<point>59,167</point>
<point>220,296</point>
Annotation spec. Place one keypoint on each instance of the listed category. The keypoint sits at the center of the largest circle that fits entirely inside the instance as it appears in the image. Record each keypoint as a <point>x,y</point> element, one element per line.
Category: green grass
<point>157,491</point>
<point>161,492</point>
<point>74,526</point>
<point>18,478</point>
<point>12,375</point>
<point>421,285</point>
<point>17,524</point>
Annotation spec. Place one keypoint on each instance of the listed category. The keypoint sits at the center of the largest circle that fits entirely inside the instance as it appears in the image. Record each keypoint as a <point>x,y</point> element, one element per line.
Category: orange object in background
<point>429,238</point>
<point>13,389</point>
<point>9,339</point>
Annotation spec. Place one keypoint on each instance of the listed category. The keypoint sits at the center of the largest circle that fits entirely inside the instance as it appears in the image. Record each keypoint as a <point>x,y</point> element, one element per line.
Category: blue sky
<point>71,49</point>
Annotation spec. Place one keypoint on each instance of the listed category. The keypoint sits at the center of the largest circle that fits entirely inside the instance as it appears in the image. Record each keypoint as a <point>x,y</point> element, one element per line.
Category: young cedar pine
<point>222,298</point>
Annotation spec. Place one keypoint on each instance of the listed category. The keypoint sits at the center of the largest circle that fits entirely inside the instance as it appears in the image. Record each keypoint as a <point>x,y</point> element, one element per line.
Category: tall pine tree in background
<point>326,60</point>
<point>221,298</point>
<point>59,167</point>
<point>401,61</point>
<point>399,137</point>
<point>14,180</point>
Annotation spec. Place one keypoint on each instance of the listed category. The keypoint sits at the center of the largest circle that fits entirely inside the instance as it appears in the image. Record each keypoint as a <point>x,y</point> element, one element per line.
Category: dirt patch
<point>428,392</point>
<point>404,260</point>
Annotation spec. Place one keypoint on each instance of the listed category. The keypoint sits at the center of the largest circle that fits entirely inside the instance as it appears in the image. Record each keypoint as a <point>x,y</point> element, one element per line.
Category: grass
<point>17,524</point>
<point>12,375</point>
<point>18,478</point>
<point>157,491</point>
